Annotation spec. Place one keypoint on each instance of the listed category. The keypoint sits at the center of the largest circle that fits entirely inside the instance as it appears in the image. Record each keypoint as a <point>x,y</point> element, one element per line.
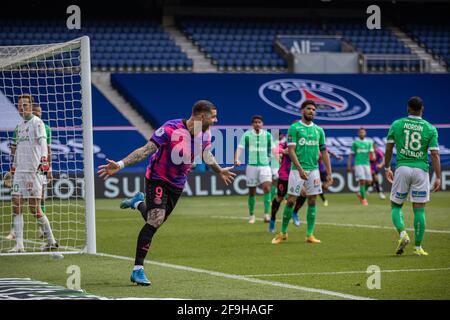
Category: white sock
<point>45,225</point>
<point>136,205</point>
<point>18,229</point>
<point>402,234</point>
<point>418,247</point>
<point>137,267</point>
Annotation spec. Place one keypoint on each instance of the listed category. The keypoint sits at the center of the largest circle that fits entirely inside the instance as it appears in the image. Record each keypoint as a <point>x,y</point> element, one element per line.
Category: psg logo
<point>334,103</point>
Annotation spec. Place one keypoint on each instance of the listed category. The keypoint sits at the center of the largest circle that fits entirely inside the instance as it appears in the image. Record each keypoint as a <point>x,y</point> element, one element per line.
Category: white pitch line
<point>367,226</point>
<point>337,224</point>
<point>342,272</point>
<point>242,278</point>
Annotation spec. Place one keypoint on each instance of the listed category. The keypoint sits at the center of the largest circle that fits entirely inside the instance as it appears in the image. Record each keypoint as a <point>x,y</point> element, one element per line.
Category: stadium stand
<point>115,46</point>
<point>232,44</point>
<point>434,38</point>
<point>235,45</point>
<point>375,42</point>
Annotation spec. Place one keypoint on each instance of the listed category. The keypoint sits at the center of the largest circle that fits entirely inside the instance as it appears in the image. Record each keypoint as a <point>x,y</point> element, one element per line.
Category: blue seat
<point>163,62</point>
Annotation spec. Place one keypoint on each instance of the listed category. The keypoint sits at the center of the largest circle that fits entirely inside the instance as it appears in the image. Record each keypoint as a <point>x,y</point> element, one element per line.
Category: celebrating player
<point>30,163</point>
<point>172,149</point>
<point>413,137</point>
<point>361,148</point>
<point>376,163</point>
<point>305,140</point>
<point>258,142</point>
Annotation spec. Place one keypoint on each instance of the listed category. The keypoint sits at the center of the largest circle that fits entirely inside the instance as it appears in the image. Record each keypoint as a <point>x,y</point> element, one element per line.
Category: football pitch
<point>208,250</point>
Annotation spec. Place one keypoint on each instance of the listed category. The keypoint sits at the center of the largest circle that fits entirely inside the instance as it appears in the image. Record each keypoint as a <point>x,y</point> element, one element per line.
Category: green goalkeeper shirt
<point>259,147</point>
<point>413,137</point>
<point>361,149</point>
<point>309,140</point>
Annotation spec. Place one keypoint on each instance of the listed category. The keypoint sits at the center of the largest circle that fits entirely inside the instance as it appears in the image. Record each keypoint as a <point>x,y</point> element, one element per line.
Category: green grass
<point>212,234</point>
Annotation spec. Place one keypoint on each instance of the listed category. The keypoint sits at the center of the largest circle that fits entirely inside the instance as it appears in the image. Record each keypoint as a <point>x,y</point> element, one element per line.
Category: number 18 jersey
<point>413,137</point>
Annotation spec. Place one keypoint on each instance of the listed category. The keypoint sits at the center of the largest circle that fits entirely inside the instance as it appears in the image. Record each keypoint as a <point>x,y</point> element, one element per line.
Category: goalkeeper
<point>37,111</point>
<point>29,164</point>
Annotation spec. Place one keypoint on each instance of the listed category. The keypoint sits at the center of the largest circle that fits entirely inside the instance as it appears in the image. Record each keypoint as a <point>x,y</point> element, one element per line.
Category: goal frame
<point>87,134</point>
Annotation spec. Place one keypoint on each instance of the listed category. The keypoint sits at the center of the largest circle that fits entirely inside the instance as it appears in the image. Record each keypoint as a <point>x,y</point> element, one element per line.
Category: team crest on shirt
<point>334,103</point>
<point>159,132</point>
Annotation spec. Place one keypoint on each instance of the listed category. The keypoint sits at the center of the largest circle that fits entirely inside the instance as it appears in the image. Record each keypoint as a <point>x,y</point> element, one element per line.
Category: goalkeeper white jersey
<point>29,149</point>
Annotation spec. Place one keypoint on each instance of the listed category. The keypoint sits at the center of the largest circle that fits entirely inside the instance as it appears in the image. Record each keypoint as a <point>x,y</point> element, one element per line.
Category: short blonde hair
<point>27,96</point>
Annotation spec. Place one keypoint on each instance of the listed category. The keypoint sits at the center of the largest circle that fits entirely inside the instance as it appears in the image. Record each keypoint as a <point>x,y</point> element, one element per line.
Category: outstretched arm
<point>112,167</point>
<point>139,154</point>
<point>225,173</point>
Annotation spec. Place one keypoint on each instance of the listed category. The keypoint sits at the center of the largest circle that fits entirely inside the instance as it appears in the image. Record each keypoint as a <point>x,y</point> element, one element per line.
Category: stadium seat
<point>113,43</point>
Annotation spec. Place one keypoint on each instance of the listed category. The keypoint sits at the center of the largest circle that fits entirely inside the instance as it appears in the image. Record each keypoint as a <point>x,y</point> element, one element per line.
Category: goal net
<point>57,76</point>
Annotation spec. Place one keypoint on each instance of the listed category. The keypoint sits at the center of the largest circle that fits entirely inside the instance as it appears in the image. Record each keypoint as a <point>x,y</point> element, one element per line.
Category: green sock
<point>362,191</point>
<point>311,219</point>
<point>273,192</point>
<point>267,199</point>
<point>397,217</point>
<point>43,207</point>
<point>251,204</point>
<point>419,225</point>
<point>287,215</point>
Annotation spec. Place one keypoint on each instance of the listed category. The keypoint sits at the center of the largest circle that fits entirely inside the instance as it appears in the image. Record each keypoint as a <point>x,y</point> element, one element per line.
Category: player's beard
<point>308,117</point>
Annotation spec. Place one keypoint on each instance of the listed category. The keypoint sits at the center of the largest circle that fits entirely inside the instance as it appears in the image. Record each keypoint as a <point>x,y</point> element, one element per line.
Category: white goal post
<point>58,78</point>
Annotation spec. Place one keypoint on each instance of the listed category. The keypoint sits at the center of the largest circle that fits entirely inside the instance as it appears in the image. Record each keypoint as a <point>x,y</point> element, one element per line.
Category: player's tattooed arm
<point>224,173</point>
<point>112,167</point>
<point>211,161</point>
<point>140,154</point>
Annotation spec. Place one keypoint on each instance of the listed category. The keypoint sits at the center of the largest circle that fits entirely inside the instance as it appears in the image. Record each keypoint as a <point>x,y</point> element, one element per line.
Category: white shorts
<point>412,182</point>
<point>362,172</point>
<point>274,173</point>
<point>257,175</point>
<point>313,185</point>
<point>27,185</point>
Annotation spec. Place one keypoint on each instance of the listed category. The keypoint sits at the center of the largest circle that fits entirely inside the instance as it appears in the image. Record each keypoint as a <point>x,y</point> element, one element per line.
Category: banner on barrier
<point>125,185</point>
